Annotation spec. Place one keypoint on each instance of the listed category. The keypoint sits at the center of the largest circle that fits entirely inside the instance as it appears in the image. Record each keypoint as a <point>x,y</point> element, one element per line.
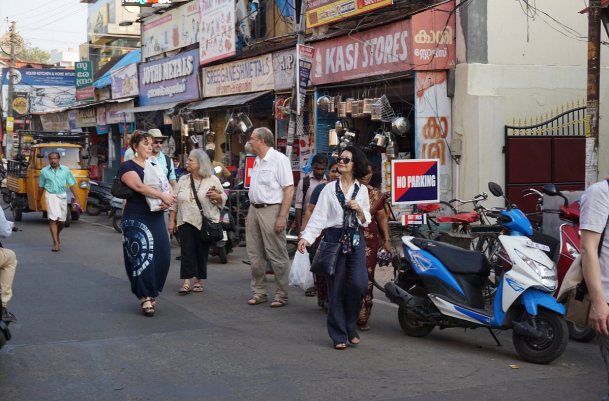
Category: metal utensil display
<point>322,103</point>
<point>354,108</point>
<point>206,123</point>
<point>349,102</point>
<point>400,125</point>
<point>367,110</point>
<point>332,105</point>
<point>391,150</point>
<point>342,109</point>
<point>333,138</point>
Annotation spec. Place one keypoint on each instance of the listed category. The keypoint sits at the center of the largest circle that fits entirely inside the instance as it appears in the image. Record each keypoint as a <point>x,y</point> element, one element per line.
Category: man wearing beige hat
<point>165,161</point>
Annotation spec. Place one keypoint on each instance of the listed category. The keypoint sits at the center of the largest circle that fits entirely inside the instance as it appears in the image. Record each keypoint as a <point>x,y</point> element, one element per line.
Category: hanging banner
<point>55,122</point>
<point>249,75</point>
<point>304,55</point>
<point>414,181</point>
<point>84,81</point>
<point>86,117</point>
<point>172,30</point>
<point>114,114</point>
<point>217,34</point>
<point>171,79</point>
<point>322,12</point>
<point>125,82</point>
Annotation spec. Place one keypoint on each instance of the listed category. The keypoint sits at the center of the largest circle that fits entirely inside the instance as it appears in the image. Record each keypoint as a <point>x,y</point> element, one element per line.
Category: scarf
<point>350,222</point>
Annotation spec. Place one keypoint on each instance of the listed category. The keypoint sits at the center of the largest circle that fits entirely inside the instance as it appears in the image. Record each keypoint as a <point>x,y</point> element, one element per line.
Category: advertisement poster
<point>114,114</point>
<point>21,106</point>
<point>305,55</point>
<point>172,30</point>
<point>322,12</point>
<point>124,82</point>
<point>414,181</point>
<point>433,126</point>
<point>86,117</point>
<point>55,121</point>
<point>84,81</point>
<point>48,89</point>
<point>101,115</point>
<point>217,33</point>
<point>171,79</point>
<point>249,75</point>
<point>249,166</point>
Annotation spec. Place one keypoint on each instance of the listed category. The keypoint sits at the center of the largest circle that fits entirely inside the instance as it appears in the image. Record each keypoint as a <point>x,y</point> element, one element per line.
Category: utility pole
<point>594,61</point>
<point>302,28</point>
<point>11,71</point>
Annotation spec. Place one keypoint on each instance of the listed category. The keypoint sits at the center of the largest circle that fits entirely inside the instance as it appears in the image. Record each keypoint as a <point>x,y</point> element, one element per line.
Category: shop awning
<point>151,107</point>
<point>130,58</point>
<point>226,101</point>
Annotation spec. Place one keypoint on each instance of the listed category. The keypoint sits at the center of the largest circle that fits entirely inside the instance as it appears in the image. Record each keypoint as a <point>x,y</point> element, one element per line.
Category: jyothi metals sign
<point>171,79</point>
<point>414,181</point>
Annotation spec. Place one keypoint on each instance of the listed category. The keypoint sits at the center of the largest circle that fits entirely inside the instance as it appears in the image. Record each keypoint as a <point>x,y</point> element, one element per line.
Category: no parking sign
<point>414,181</point>
<point>249,166</point>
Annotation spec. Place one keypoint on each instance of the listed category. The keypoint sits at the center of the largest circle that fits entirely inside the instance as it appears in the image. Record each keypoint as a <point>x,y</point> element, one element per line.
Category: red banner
<point>249,166</point>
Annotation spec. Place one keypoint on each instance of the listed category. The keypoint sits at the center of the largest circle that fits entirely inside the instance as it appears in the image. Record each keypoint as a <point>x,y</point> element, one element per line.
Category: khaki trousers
<point>263,242</point>
<point>8,265</point>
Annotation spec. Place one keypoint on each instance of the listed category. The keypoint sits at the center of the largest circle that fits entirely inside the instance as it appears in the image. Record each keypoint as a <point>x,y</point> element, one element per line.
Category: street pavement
<point>80,335</point>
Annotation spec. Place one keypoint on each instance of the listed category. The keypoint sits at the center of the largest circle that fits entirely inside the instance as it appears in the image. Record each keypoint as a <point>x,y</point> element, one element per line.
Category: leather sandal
<point>340,346</point>
<point>147,311</point>
<point>185,289</point>
<point>256,299</point>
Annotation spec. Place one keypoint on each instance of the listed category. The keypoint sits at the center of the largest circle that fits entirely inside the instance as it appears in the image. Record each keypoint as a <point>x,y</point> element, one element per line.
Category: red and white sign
<point>414,181</point>
<point>416,219</point>
<point>249,166</point>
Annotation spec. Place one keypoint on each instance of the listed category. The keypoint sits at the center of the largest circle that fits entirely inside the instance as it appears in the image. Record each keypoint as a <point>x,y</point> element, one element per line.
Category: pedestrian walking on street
<point>146,249</point>
<point>378,225</point>
<point>208,190</point>
<point>344,207</point>
<point>321,283</point>
<point>164,161</point>
<point>305,189</point>
<point>8,266</point>
<point>593,223</point>
<point>270,194</point>
<point>52,181</point>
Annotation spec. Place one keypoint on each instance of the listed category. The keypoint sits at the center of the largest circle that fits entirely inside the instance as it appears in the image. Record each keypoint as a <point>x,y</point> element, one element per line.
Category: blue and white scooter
<point>442,285</point>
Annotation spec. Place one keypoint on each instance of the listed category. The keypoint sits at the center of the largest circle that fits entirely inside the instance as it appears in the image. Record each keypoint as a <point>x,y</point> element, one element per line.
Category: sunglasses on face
<point>344,160</point>
<point>158,142</point>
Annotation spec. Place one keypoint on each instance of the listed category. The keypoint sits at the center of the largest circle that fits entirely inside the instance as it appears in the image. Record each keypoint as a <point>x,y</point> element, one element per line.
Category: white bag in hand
<point>300,276</point>
<point>156,178</point>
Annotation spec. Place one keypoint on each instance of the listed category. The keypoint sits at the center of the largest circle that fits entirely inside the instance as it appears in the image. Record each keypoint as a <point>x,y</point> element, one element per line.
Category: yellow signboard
<point>322,12</point>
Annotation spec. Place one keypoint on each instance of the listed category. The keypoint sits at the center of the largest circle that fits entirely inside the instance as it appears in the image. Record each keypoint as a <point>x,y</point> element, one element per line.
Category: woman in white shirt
<point>194,251</point>
<point>342,207</point>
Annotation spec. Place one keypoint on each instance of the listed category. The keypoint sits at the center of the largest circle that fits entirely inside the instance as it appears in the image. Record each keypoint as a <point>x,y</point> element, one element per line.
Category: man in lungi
<point>54,178</point>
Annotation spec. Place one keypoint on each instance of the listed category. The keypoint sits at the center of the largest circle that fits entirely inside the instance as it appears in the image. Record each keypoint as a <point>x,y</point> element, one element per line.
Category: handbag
<point>120,190</point>
<point>578,305</point>
<point>210,232</point>
<point>326,258</point>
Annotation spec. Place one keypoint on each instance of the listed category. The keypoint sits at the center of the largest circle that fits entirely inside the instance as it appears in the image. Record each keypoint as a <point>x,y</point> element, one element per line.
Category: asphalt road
<point>81,336</point>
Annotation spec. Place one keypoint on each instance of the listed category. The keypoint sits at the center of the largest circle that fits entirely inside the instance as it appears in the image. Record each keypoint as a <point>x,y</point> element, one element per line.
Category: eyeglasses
<point>344,160</point>
<point>158,142</point>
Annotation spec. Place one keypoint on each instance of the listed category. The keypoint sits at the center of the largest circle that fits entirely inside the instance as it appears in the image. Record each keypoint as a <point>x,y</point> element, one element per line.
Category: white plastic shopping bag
<point>300,276</point>
<point>156,178</point>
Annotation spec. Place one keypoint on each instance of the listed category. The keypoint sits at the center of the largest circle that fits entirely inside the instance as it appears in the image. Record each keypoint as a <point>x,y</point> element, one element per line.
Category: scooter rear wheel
<point>116,223</point>
<point>222,255</point>
<point>93,210</point>
<point>410,323</point>
<point>551,345</point>
<point>583,334</point>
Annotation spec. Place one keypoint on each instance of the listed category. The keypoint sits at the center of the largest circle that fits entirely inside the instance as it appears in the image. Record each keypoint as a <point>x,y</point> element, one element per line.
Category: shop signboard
<point>86,117</point>
<point>171,79</point>
<point>249,166</point>
<point>114,114</point>
<point>47,89</point>
<point>103,129</point>
<point>84,81</point>
<point>125,82</point>
<point>249,75</point>
<point>304,55</point>
<point>414,181</point>
<point>101,115</point>
<point>322,12</point>
<point>55,122</point>
<point>217,31</point>
<point>171,30</point>
<point>424,42</point>
<point>283,69</point>
<point>21,105</point>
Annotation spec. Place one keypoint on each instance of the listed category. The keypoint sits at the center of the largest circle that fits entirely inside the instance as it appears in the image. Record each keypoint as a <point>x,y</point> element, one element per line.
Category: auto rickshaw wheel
<point>75,216</point>
<point>6,198</point>
<point>17,214</point>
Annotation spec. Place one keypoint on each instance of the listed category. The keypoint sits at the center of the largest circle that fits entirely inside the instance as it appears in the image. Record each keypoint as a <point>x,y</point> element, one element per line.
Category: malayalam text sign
<point>84,80</point>
<point>414,181</point>
<point>249,166</point>
<point>322,12</point>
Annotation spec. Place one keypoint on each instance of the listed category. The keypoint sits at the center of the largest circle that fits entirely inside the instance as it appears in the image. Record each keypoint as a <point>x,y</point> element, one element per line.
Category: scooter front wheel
<point>583,334</point>
<point>552,342</point>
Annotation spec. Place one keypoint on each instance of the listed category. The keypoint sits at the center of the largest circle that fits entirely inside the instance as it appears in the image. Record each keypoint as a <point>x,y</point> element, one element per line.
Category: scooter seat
<point>456,260</point>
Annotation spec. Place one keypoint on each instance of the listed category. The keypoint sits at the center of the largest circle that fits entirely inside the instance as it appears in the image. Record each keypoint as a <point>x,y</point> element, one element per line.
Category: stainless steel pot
<point>342,109</point>
<point>400,125</point>
<point>323,103</point>
<point>333,138</point>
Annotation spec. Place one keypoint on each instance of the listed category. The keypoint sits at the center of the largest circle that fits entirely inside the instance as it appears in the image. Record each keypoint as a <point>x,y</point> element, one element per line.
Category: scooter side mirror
<point>550,190</point>
<point>495,189</point>
<point>226,185</point>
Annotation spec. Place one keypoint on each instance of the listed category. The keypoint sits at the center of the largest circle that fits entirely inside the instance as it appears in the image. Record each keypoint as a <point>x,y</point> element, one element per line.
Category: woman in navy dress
<point>146,248</point>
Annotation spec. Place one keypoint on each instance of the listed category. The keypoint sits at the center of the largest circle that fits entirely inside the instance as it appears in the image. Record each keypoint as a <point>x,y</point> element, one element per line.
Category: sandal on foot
<point>279,303</point>
<point>256,300</point>
<point>353,337</point>
<point>310,292</point>
<point>364,327</point>
<point>185,289</point>
<point>197,288</point>
<point>340,346</point>
<point>153,301</point>
<point>147,311</point>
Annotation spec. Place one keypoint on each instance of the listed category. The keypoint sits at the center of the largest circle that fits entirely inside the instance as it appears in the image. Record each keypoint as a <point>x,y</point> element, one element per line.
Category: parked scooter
<point>441,285</point>
<point>99,198</point>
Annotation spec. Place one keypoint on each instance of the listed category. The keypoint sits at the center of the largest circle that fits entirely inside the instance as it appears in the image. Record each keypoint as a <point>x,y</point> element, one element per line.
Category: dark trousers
<point>346,288</point>
<point>194,253</point>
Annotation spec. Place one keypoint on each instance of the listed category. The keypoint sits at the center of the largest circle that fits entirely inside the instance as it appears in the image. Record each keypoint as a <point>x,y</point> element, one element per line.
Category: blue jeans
<point>346,288</point>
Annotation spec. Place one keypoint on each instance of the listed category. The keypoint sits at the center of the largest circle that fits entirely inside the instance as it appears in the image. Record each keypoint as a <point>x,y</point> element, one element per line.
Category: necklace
<point>200,182</point>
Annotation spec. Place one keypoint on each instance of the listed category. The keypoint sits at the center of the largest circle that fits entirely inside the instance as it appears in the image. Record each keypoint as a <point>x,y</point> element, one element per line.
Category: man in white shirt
<point>595,260</point>
<point>270,195</point>
<point>8,265</point>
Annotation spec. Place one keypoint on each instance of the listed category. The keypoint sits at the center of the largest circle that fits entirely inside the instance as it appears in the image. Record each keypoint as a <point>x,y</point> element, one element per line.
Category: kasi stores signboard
<point>424,42</point>
<point>172,79</point>
<point>414,181</point>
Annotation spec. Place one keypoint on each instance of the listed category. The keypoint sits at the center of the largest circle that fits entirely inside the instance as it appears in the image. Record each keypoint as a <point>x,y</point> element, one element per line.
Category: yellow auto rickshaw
<point>32,156</point>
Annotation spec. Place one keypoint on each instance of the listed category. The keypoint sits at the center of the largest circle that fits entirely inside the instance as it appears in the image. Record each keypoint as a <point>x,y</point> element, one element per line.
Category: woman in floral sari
<point>371,233</point>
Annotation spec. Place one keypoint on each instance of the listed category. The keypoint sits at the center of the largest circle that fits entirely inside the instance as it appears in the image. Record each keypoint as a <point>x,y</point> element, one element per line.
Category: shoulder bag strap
<point>167,162</point>
<point>196,195</point>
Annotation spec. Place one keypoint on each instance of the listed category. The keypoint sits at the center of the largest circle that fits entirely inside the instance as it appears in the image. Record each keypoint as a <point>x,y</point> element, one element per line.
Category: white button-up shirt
<point>329,212</point>
<point>270,176</point>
